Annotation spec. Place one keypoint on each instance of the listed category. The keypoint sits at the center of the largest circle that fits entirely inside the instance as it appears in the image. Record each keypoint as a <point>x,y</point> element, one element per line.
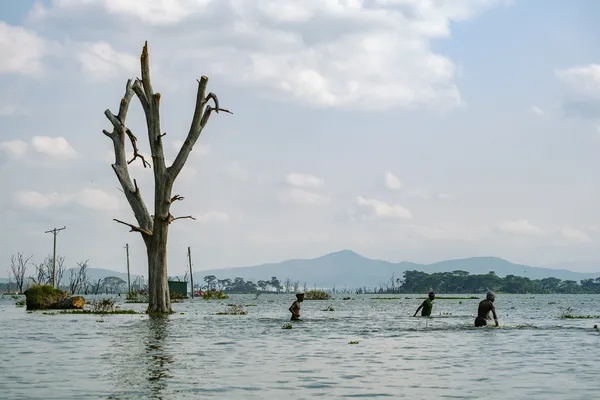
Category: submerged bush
<point>177,296</point>
<point>40,297</point>
<point>103,306</point>
<point>214,295</point>
<point>316,295</point>
<point>234,309</point>
<point>287,326</point>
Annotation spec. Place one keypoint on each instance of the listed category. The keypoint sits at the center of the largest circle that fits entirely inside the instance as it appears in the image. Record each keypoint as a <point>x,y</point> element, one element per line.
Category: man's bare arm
<point>495,316</point>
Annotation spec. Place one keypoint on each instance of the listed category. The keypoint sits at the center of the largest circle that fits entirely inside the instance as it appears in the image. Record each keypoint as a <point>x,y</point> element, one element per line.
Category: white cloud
<point>372,208</point>
<point>36,200</point>
<point>519,227</point>
<point>392,182</point>
<point>199,148</point>
<point>301,196</point>
<point>367,55</point>
<point>56,147</point>
<point>583,79</point>
<point>14,148</point>
<point>575,234</point>
<point>22,50</point>
<point>304,180</point>
<point>101,61</point>
<point>93,199</point>
<point>96,199</point>
<point>235,171</point>
<point>7,110</point>
<point>537,110</point>
<point>213,216</point>
<point>51,146</point>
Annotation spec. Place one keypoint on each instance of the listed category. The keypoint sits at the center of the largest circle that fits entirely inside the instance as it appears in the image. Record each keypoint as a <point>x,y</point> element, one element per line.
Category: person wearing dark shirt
<point>427,306</point>
<point>483,312</point>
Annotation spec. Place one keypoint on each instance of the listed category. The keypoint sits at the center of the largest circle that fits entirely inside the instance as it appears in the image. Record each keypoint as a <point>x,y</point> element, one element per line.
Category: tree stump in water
<point>71,303</point>
<point>45,297</point>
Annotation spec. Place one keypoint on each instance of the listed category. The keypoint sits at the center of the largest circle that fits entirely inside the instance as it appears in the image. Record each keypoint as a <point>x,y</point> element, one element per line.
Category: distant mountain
<point>347,268</point>
<point>98,273</point>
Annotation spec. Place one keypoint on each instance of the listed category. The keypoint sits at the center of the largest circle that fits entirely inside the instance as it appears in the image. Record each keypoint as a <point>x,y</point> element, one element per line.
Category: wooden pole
<point>191,275</point>
<point>128,271</point>
<point>55,233</point>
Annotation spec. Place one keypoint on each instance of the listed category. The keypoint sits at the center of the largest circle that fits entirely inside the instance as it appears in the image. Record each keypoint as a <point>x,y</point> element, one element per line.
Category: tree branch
<point>117,136</point>
<point>176,198</point>
<point>172,218</point>
<point>135,228</point>
<point>136,153</point>
<point>201,115</point>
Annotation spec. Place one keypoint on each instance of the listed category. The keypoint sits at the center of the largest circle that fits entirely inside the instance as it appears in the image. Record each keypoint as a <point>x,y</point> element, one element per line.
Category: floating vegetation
<point>455,298</point>
<point>214,295</point>
<point>234,309</point>
<point>387,298</point>
<point>21,303</point>
<point>177,296</point>
<point>445,313</point>
<point>330,308</point>
<point>316,295</point>
<point>352,342</point>
<point>347,298</point>
<point>98,312</point>
<point>250,305</point>
<point>287,326</point>
<point>569,316</point>
<point>551,303</point>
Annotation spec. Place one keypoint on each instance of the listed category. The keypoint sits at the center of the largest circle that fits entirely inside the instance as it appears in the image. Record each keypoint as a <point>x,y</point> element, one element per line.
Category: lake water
<point>533,355</point>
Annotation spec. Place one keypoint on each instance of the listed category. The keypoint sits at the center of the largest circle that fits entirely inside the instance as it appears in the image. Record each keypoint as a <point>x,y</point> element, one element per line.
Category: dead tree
<point>78,278</point>
<point>154,228</point>
<point>18,266</point>
<point>44,270</point>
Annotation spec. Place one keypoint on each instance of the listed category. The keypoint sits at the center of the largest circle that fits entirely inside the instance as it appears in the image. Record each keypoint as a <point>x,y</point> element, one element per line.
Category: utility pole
<point>128,273</point>
<point>191,275</point>
<point>54,232</point>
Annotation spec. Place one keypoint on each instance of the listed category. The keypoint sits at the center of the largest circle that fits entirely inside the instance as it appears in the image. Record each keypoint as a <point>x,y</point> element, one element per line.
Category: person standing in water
<point>483,312</point>
<point>295,308</point>
<point>427,306</point>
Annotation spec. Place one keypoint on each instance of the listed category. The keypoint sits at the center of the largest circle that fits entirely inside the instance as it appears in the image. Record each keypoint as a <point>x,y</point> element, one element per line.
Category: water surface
<point>535,354</point>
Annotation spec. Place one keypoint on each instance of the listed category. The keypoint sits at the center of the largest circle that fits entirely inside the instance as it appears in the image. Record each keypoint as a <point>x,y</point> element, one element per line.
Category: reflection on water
<point>196,354</point>
<point>141,357</point>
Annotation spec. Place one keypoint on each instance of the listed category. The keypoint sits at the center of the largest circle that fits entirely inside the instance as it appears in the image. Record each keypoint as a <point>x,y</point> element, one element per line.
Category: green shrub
<point>214,295</point>
<point>316,295</point>
<point>41,297</point>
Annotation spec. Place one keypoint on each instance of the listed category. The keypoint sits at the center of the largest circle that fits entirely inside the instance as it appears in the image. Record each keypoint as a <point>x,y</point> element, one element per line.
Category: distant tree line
<point>24,273</point>
<point>463,282</point>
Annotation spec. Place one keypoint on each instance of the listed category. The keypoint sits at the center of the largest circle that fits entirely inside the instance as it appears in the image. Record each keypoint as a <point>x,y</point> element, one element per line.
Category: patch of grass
<point>177,296</point>
<point>316,295</point>
<point>569,316</point>
<point>214,295</point>
<point>136,301</point>
<point>21,303</point>
<point>99,312</point>
<point>250,305</point>
<point>352,342</point>
<point>287,326</point>
<point>233,309</point>
<point>41,297</point>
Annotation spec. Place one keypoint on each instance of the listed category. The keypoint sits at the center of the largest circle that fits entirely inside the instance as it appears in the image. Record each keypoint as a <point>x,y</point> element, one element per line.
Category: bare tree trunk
<point>155,228</point>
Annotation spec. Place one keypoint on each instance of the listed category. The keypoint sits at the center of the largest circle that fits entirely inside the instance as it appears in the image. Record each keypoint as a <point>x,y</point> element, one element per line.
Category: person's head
<point>300,297</point>
<point>490,296</point>
<point>431,295</point>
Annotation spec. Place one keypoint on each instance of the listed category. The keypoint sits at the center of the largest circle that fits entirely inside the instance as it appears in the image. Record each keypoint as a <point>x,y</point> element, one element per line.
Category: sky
<point>404,130</point>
